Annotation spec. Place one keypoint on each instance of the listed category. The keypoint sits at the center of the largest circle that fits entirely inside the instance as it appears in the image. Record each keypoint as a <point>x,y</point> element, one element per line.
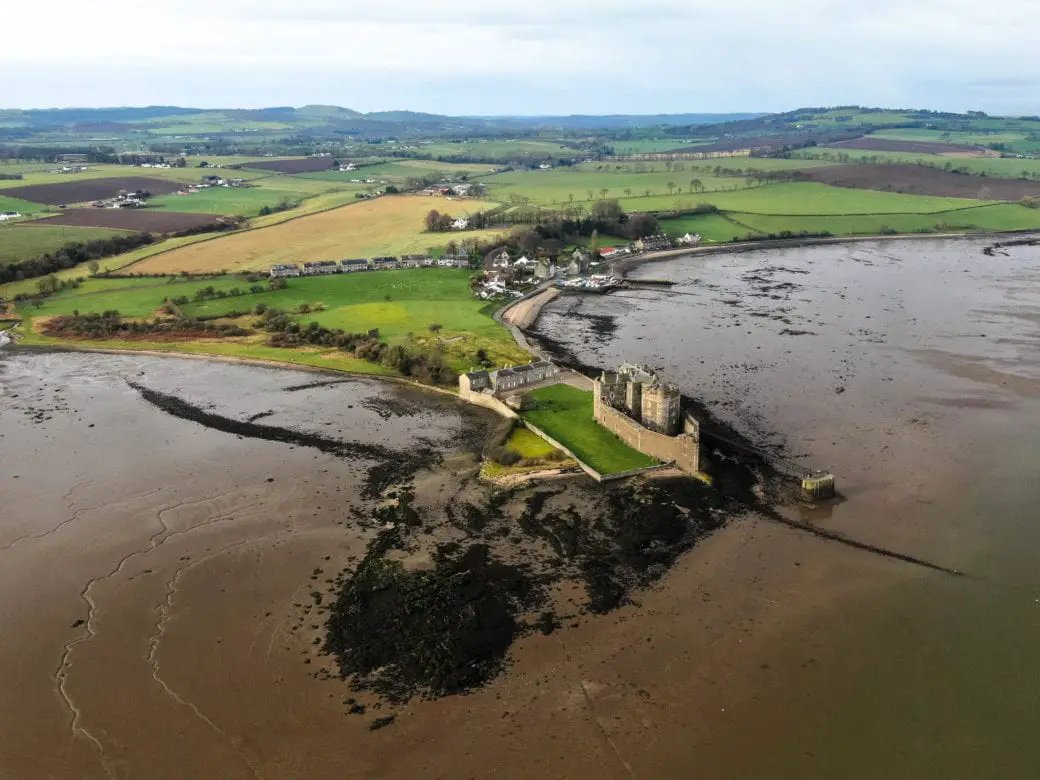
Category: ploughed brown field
<point>914,147</point>
<point>91,189</point>
<point>127,219</point>
<point>309,165</point>
<point>921,180</point>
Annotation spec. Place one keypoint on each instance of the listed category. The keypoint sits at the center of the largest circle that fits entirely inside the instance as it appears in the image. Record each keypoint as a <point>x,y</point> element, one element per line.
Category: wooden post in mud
<point>818,486</point>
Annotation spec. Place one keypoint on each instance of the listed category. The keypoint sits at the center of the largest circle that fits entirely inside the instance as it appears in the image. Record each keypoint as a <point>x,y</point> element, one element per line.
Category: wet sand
<point>765,652</point>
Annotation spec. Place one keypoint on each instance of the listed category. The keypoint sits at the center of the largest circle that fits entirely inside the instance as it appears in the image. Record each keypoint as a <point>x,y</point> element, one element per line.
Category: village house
<point>6,215</point>
<point>460,224</point>
<point>384,263</point>
<point>415,261</point>
<point>278,271</point>
<point>544,269</point>
<point>350,266</point>
<point>690,239</point>
<point>654,243</point>
<point>428,261</point>
<point>320,267</point>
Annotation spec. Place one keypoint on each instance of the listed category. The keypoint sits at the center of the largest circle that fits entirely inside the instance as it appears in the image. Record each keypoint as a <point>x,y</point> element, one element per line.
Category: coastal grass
<point>565,414</point>
<point>19,243</point>
<point>527,445</point>
<point>386,225</point>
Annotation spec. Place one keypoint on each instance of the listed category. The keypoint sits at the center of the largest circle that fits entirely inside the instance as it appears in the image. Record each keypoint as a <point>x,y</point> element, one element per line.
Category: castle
<point>644,411</point>
<point>639,393</point>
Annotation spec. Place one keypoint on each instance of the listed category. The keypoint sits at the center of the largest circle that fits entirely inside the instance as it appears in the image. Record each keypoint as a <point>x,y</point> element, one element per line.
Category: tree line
<point>72,254</point>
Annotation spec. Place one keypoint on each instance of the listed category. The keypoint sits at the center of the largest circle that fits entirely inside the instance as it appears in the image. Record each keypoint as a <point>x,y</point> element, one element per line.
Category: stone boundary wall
<point>586,467</point>
<point>682,450</point>
<point>488,402</point>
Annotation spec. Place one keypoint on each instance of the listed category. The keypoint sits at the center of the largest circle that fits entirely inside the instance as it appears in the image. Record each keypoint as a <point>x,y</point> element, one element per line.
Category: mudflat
<point>157,560</point>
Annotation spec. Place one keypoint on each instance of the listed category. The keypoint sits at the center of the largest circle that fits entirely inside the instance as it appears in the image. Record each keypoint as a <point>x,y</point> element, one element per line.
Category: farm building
<point>415,261</point>
<point>320,267</point>
<point>506,380</point>
<point>384,263</point>
<point>278,271</point>
<point>428,261</point>
<point>474,382</point>
<point>6,215</point>
<point>349,266</point>
<point>690,239</point>
<point>460,224</point>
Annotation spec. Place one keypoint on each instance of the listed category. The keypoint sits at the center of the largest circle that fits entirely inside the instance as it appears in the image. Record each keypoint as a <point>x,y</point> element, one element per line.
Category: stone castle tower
<point>641,394</point>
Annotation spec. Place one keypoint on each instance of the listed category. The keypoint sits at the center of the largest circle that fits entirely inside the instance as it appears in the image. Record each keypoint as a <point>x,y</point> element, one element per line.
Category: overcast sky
<point>531,57</point>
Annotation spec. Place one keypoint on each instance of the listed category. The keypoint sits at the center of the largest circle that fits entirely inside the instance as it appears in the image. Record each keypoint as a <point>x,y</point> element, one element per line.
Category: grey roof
<point>481,374</point>
<point>505,372</point>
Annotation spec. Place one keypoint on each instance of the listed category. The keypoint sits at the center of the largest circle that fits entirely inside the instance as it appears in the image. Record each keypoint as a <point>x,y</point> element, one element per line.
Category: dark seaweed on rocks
<point>431,633</point>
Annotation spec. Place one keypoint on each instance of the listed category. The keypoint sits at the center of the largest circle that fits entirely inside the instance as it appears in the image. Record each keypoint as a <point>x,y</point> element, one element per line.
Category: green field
<point>43,175</point>
<point>25,243</point>
<point>714,228</point>
<point>998,167</point>
<point>1002,216</point>
<point>9,203</point>
<point>492,150</point>
<point>565,413</point>
<point>239,201</point>
<point>354,302</point>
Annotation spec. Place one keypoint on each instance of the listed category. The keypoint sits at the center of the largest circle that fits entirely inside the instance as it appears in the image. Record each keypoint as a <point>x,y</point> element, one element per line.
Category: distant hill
<point>317,119</point>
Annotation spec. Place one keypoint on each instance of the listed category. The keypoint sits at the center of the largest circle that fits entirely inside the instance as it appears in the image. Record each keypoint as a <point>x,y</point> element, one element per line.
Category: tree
<point>433,221</point>
<point>607,211</point>
<point>628,192</point>
<point>435,327</point>
<point>603,192</point>
<point>594,242</point>
<point>671,187</point>
<point>93,266</point>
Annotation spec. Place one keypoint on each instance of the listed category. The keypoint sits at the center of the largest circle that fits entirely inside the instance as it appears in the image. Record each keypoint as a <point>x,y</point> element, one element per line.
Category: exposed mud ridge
<point>391,465</point>
<point>994,249</point>
<point>498,564</point>
<point>316,384</point>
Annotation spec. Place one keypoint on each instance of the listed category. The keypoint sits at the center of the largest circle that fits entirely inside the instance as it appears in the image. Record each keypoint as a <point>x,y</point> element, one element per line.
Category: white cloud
<point>557,55</point>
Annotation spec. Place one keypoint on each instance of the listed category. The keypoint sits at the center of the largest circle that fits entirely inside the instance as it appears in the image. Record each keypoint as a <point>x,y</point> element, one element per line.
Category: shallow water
<point>912,369</point>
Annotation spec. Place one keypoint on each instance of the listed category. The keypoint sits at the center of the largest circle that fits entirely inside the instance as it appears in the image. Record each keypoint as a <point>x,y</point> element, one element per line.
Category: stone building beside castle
<point>645,412</point>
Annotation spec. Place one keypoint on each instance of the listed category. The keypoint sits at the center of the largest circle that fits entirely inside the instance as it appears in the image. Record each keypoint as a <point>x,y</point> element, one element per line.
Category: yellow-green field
<point>384,226</point>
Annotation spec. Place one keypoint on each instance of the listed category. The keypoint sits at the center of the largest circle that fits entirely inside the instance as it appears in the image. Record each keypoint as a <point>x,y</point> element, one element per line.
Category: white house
<point>6,215</point>
<point>284,270</point>
<point>460,224</point>
<point>320,267</point>
<point>690,239</point>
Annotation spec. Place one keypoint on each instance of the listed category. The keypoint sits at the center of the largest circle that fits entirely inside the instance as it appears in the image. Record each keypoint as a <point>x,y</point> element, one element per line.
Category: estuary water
<point>912,370</point>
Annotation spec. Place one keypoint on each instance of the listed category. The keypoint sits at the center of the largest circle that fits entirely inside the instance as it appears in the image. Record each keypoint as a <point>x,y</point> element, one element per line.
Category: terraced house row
<point>321,267</point>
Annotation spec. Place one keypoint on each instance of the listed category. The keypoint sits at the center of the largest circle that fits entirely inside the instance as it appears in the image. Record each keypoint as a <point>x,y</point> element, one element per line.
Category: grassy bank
<point>400,304</point>
<point>565,413</point>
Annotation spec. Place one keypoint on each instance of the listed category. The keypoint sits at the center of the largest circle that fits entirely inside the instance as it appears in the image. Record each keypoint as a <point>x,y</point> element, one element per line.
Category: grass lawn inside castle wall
<point>565,414</point>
